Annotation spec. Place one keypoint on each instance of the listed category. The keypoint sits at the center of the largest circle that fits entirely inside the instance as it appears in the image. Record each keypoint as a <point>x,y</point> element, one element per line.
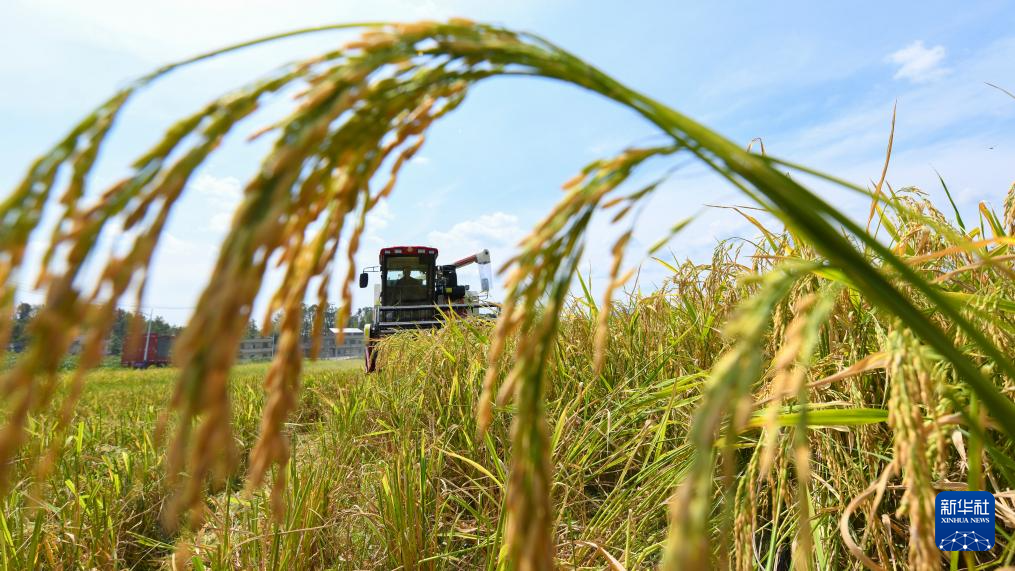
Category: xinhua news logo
<point>964,521</point>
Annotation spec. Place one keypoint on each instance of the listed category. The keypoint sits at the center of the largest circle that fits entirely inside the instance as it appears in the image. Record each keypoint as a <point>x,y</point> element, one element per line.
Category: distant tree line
<point>357,319</point>
<point>128,321</point>
<point>360,317</point>
<point>21,333</point>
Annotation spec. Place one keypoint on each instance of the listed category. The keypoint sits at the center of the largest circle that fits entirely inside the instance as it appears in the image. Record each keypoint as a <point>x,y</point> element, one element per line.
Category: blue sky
<point>815,82</point>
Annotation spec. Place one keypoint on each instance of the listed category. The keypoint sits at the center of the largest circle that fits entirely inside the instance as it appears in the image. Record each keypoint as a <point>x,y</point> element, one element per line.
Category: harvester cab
<point>415,292</point>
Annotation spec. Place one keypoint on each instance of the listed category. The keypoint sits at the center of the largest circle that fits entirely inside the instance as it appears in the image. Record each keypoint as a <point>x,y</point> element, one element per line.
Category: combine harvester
<point>416,293</point>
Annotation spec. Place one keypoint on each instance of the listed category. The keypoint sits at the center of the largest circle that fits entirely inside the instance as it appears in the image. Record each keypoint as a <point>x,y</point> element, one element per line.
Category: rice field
<point>388,471</point>
<point>795,402</point>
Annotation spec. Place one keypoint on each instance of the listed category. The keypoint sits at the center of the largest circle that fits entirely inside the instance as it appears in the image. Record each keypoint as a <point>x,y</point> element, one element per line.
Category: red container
<point>143,351</point>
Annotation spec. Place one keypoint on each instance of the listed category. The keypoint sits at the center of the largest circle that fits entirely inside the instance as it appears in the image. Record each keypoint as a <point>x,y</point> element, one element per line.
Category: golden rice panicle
<point>130,199</point>
<point>910,380</point>
<point>357,143</point>
<point>722,412</point>
<point>542,253</point>
<point>543,269</point>
<point>281,384</point>
<point>21,212</point>
<point>615,280</point>
<point>93,349</point>
<point>745,511</point>
<point>919,222</point>
<point>1009,210</point>
<point>788,375</point>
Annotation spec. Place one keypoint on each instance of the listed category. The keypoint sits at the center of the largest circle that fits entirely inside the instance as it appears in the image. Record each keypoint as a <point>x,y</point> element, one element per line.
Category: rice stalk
<point>911,391</point>
<point>1009,210</point>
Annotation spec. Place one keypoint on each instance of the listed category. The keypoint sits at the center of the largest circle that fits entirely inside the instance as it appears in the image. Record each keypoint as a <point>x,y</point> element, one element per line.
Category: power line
<point>40,293</point>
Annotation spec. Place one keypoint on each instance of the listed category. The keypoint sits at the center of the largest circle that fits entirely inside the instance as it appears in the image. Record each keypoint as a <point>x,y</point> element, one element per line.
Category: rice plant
<point>845,366</point>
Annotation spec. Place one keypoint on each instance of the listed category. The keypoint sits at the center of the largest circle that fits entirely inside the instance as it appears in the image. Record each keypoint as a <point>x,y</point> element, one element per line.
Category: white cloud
<point>174,245</point>
<point>221,221</point>
<point>221,195</point>
<point>496,230</point>
<point>222,190</point>
<point>918,63</point>
<point>380,216</point>
<point>956,108</point>
<point>435,199</point>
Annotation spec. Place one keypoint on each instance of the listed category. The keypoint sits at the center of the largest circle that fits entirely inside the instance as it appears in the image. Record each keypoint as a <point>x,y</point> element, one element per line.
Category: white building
<point>352,345</point>
<point>257,349</point>
<point>263,348</point>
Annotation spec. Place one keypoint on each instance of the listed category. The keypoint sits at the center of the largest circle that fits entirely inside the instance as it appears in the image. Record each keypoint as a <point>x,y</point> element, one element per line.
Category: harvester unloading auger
<point>417,293</point>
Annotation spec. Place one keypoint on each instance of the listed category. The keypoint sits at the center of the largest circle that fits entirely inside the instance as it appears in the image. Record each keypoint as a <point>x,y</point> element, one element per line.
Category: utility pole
<point>148,336</point>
